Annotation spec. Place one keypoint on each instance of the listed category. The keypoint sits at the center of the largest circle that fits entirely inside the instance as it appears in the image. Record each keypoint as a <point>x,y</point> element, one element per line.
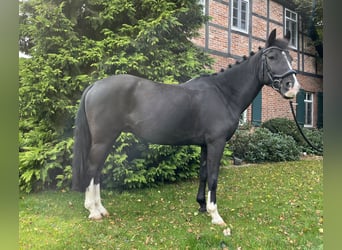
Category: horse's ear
<point>288,35</point>
<point>271,38</point>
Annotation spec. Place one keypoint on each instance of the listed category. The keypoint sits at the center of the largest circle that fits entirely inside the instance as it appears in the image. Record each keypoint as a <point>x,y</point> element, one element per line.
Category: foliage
<point>40,146</point>
<point>135,164</point>
<point>311,12</point>
<point>72,44</point>
<point>284,126</point>
<point>289,127</point>
<point>262,145</point>
<point>315,136</point>
<point>268,206</point>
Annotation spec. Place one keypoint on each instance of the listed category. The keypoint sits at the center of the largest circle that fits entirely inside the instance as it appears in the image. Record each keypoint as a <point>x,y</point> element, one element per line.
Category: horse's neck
<point>241,84</point>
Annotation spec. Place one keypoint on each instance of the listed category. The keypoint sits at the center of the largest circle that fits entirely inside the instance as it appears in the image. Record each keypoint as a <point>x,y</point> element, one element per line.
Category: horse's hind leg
<point>98,154</point>
<point>93,201</point>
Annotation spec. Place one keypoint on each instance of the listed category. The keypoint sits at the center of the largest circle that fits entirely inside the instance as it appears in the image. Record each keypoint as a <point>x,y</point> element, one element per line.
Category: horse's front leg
<point>203,180</point>
<point>215,151</point>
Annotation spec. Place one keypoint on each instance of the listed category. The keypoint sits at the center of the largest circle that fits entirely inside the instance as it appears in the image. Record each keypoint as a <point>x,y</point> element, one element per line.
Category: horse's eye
<point>271,57</point>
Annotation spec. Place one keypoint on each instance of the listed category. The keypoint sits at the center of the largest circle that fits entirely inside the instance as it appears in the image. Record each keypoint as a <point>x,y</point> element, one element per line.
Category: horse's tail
<point>81,149</point>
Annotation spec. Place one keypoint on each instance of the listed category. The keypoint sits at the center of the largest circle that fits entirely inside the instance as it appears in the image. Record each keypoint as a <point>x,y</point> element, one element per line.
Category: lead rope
<point>301,131</point>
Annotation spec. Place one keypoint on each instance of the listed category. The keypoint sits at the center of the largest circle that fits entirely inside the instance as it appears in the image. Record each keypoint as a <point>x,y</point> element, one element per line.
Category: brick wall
<point>219,11</point>
<point>226,44</point>
<point>259,27</point>
<point>260,7</point>
<point>218,39</point>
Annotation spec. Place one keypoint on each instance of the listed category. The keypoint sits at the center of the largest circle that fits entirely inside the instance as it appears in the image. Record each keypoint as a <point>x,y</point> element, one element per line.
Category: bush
<point>284,126</point>
<point>262,145</point>
<point>238,143</point>
<point>315,136</point>
<point>289,127</point>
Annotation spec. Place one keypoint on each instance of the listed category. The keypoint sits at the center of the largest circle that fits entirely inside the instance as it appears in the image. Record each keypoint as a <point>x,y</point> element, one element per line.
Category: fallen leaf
<point>227,232</point>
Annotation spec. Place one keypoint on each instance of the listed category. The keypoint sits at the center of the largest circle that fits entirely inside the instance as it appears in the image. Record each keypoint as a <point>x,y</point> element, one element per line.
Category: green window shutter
<point>300,109</point>
<point>256,110</point>
<point>320,110</point>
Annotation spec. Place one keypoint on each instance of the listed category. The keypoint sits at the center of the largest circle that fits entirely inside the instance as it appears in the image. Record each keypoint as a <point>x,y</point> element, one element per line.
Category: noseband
<point>276,79</point>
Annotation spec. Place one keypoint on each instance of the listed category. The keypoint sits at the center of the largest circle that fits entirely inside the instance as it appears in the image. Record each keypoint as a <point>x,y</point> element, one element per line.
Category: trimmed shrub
<point>262,145</point>
<point>284,126</point>
<point>238,143</point>
<point>289,127</point>
<point>315,136</point>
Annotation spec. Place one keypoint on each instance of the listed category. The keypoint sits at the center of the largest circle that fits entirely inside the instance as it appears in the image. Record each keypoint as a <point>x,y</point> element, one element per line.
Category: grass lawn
<point>266,206</point>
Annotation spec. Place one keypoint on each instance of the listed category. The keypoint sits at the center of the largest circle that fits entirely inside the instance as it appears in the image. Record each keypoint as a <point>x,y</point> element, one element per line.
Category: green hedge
<point>315,136</point>
<point>262,145</point>
<point>284,126</point>
<point>289,127</point>
<point>276,140</point>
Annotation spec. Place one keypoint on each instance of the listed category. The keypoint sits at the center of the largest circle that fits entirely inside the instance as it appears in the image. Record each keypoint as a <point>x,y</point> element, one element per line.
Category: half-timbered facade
<point>237,27</point>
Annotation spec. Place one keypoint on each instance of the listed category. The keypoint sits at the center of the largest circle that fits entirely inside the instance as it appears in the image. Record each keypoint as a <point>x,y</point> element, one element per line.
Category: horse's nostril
<point>289,84</point>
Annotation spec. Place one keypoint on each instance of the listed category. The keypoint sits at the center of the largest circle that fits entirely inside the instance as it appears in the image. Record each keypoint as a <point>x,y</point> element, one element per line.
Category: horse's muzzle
<point>292,92</point>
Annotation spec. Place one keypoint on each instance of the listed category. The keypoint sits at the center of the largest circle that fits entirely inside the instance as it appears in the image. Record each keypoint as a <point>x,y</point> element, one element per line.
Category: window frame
<point>307,102</point>
<point>291,20</point>
<point>239,18</point>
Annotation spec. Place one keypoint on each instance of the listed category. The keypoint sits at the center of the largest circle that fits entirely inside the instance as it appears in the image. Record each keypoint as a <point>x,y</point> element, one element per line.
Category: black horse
<point>204,111</point>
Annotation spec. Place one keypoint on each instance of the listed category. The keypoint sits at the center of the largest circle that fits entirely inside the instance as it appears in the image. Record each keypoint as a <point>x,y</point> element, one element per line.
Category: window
<point>308,109</point>
<point>202,2</point>
<point>243,118</point>
<point>291,25</point>
<point>240,14</point>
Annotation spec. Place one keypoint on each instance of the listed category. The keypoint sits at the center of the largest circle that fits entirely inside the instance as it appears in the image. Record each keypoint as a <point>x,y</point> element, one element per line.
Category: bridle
<point>276,79</point>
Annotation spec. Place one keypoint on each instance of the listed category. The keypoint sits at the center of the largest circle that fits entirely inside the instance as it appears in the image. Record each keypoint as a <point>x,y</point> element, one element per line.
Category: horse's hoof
<point>222,224</point>
<point>106,214</point>
<point>95,217</point>
<point>219,223</point>
<point>202,209</point>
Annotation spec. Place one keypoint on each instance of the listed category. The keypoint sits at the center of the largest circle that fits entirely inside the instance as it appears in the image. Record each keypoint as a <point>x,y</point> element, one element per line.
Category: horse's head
<point>277,71</point>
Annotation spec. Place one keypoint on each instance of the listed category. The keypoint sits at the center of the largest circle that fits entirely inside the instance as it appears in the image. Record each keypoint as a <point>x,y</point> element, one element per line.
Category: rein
<point>301,131</point>
<point>276,79</point>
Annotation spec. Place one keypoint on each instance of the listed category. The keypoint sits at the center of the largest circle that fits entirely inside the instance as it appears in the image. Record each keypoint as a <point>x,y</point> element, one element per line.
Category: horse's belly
<point>166,130</point>
<point>158,137</point>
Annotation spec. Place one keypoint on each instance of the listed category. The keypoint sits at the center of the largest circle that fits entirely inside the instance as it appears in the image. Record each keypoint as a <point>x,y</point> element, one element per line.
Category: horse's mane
<point>281,43</point>
<point>237,62</point>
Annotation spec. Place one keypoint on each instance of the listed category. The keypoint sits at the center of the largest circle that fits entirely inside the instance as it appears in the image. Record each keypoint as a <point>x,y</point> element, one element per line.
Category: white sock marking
<point>93,201</point>
<point>212,210</point>
<point>100,207</point>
